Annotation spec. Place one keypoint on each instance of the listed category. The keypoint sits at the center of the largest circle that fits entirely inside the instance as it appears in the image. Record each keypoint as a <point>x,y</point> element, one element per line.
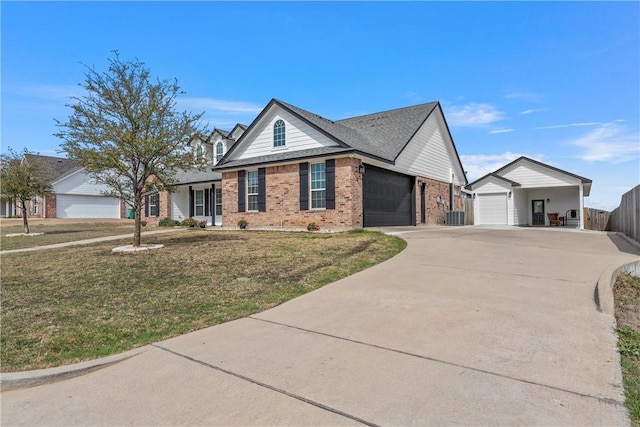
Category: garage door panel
<point>76,206</point>
<point>387,198</point>
<point>493,208</point>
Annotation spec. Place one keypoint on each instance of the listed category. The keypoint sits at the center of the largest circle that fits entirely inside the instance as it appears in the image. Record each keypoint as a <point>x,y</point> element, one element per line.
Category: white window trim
<point>35,206</point>
<point>257,193</point>
<point>217,158</point>
<point>195,202</point>
<point>312,190</point>
<point>217,201</point>
<point>273,142</point>
<point>153,204</point>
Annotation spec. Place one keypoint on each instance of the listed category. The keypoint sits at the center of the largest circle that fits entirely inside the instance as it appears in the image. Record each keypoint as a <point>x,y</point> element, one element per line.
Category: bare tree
<point>23,177</point>
<point>127,133</point>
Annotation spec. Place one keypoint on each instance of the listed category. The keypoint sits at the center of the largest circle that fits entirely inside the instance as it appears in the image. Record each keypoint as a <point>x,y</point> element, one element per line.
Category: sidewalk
<point>86,241</point>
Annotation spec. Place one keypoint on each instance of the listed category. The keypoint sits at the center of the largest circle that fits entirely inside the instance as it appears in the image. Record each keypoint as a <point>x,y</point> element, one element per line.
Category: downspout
<point>581,216</point>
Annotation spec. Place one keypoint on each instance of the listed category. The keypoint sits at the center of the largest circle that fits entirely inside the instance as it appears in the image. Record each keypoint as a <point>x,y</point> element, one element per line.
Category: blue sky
<point>555,81</point>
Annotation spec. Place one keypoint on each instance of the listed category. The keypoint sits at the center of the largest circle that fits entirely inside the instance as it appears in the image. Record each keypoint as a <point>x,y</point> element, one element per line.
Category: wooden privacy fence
<point>468,211</point>
<point>626,217</point>
<point>595,219</point>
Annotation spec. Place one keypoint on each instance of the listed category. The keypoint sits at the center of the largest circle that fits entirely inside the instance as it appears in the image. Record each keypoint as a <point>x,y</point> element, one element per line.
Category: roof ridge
<point>432,103</point>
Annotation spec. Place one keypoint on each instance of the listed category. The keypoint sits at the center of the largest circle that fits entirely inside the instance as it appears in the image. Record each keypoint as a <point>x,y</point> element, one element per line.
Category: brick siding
<point>283,199</point>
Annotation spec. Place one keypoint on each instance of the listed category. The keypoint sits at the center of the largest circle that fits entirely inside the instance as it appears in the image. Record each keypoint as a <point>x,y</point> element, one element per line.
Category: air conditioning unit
<point>454,218</point>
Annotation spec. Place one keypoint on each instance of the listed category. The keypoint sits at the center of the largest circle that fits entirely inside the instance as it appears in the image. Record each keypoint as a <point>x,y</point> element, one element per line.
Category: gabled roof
<point>239,126</point>
<point>56,167</point>
<point>586,181</point>
<point>381,135</point>
<point>519,159</point>
<point>494,175</point>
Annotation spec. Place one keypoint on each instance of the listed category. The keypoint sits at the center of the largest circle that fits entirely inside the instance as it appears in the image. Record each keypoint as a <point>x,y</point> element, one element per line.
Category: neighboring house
<point>525,191</point>
<point>197,193</point>
<point>292,167</point>
<point>75,194</point>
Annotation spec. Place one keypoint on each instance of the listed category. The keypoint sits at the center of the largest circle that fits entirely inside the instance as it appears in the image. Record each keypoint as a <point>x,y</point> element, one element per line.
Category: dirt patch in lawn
<point>72,304</point>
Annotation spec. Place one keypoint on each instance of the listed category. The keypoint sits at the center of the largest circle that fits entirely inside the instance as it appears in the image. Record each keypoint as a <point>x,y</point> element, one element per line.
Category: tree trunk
<point>25,224</point>
<point>137,208</point>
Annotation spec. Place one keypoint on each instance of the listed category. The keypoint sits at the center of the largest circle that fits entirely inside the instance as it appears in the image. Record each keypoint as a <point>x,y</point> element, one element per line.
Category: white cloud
<point>219,105</point>
<point>527,96</point>
<point>495,131</point>
<point>610,143</point>
<point>531,110</point>
<point>478,165</point>
<point>473,115</point>
<point>58,93</point>
<point>570,125</point>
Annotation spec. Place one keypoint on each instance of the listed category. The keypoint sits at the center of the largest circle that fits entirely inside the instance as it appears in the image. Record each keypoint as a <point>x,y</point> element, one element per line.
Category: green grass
<point>627,296</point>
<point>57,231</point>
<point>72,304</point>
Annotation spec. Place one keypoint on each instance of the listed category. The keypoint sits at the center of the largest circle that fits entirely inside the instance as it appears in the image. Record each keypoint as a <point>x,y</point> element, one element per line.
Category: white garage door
<point>87,207</point>
<point>493,208</point>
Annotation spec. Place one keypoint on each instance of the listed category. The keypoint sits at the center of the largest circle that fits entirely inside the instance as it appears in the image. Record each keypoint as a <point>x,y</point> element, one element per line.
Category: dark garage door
<point>387,198</point>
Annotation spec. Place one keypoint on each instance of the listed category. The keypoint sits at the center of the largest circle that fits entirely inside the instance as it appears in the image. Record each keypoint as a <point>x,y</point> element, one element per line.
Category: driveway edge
<point>25,379</point>
<point>603,294</point>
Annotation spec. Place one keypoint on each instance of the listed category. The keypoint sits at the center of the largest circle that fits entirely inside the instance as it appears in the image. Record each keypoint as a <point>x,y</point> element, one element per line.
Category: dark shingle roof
<point>56,167</point>
<point>495,175</point>
<point>381,135</point>
<point>194,176</point>
<point>388,132</point>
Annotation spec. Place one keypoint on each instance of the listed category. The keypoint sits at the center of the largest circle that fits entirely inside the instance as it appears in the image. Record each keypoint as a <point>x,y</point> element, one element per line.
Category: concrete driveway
<point>467,326</point>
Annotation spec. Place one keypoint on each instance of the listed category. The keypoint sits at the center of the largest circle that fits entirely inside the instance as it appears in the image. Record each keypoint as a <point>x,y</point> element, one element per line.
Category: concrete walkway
<point>467,326</point>
<point>88,241</point>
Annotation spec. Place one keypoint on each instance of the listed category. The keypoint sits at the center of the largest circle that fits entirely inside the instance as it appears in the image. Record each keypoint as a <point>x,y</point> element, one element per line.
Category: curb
<point>603,294</point>
<point>19,380</point>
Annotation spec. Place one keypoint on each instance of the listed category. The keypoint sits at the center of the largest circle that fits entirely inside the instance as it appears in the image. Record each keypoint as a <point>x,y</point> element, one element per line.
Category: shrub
<point>313,227</point>
<point>168,222</point>
<point>189,222</point>
<point>202,224</point>
<point>242,224</point>
<point>143,223</point>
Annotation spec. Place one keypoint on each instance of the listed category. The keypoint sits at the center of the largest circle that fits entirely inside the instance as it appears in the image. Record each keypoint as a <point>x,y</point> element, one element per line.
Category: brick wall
<point>50,203</point>
<point>164,209</point>
<point>283,199</point>
<point>436,200</point>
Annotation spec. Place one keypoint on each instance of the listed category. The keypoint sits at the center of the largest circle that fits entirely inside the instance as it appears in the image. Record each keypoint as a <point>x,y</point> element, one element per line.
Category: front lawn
<point>59,231</point>
<point>77,303</point>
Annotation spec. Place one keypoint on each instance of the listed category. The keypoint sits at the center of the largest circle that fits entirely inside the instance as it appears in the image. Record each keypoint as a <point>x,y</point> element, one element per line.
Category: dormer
<point>237,131</point>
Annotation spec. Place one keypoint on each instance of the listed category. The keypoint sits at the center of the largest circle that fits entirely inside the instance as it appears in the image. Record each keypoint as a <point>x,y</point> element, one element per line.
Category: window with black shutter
<point>241,191</point>
<point>304,186</point>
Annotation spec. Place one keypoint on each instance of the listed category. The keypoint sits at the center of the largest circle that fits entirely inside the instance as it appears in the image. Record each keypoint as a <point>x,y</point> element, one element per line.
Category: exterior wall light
<point>361,169</point>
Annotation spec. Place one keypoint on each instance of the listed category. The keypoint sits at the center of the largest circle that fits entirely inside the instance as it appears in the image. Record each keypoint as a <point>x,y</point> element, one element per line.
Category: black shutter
<point>146,206</point>
<point>190,202</point>
<point>206,202</point>
<point>330,183</point>
<point>262,190</point>
<point>304,186</point>
<point>241,192</point>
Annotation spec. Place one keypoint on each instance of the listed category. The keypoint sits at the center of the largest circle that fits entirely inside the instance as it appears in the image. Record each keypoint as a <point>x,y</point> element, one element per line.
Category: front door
<point>538,212</point>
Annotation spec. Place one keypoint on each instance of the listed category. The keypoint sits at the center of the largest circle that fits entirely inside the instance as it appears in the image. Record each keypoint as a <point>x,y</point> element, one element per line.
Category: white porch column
<point>581,216</point>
